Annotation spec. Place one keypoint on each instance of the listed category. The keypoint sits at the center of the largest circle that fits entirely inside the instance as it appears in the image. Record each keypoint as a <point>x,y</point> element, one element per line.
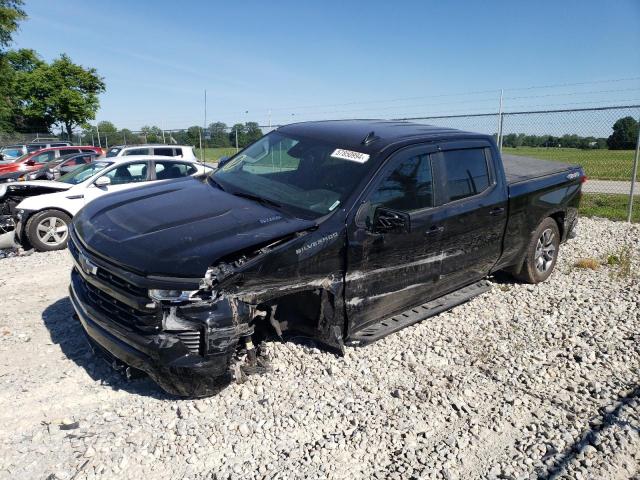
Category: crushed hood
<point>36,187</point>
<point>179,228</point>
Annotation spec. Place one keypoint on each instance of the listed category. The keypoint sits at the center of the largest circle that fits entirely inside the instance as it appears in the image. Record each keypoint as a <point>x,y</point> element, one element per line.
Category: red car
<point>37,159</point>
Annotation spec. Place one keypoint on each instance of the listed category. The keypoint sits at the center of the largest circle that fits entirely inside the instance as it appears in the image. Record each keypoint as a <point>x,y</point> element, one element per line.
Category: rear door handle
<point>497,211</point>
<point>435,230</point>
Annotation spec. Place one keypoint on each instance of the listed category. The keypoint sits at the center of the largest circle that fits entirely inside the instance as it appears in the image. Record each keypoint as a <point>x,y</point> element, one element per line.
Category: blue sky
<point>336,59</point>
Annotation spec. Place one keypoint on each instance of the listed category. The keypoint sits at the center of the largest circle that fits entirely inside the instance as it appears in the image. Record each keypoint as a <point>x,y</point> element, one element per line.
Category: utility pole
<point>634,175</point>
<point>499,139</point>
<point>236,140</point>
<point>205,118</point>
<point>98,133</point>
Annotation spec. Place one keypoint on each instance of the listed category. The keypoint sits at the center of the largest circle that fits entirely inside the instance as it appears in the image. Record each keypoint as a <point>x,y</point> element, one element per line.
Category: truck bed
<point>518,169</point>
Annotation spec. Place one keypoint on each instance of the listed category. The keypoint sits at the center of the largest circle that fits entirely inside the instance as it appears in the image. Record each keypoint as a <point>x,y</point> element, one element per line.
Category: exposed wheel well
<point>559,218</point>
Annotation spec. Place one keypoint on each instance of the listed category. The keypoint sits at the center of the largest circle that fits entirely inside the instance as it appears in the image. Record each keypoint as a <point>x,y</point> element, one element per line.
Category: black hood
<point>178,228</point>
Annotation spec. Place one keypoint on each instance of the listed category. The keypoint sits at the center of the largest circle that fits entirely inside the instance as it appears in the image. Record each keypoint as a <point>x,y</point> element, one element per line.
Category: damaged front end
<point>186,333</point>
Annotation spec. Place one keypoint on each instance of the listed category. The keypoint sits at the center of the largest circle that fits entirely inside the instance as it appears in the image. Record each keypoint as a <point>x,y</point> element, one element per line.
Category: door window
<point>167,170</point>
<point>408,187</point>
<point>129,173</point>
<point>69,151</point>
<point>467,172</point>
<point>137,151</point>
<point>164,151</point>
<point>44,157</point>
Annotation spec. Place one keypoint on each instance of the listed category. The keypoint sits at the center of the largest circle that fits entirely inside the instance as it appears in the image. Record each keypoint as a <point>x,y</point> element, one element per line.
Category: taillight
<point>583,179</point>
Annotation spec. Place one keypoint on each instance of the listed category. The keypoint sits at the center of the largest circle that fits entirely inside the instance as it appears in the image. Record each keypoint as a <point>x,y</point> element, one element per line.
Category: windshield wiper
<point>250,196</point>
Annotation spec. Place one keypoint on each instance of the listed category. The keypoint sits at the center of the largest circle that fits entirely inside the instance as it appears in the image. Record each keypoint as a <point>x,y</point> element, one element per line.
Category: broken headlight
<point>171,295</point>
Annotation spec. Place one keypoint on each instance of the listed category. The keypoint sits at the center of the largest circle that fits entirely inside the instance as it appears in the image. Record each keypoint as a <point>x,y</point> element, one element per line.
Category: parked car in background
<point>34,161</point>
<point>9,152</point>
<point>51,170</point>
<point>185,152</point>
<point>43,209</point>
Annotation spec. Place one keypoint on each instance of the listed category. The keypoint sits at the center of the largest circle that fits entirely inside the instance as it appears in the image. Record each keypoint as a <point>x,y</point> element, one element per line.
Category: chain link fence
<point>604,141</point>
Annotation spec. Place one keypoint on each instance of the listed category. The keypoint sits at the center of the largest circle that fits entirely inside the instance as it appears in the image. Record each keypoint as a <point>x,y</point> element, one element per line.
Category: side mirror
<point>102,181</point>
<point>386,220</point>
<point>30,162</point>
<point>222,161</point>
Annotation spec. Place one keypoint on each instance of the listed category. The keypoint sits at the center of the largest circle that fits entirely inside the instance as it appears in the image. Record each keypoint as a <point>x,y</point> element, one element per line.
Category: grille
<point>117,310</point>
<point>120,283</point>
<point>192,339</point>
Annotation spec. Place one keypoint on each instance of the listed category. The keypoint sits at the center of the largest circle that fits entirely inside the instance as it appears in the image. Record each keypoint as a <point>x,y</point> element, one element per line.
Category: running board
<point>391,325</point>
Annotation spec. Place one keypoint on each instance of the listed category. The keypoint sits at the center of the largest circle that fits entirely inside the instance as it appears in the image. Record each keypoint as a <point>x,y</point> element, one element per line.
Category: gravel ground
<point>522,382</point>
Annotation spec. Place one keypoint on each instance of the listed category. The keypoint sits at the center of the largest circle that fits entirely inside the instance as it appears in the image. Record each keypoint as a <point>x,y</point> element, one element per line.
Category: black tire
<point>48,230</point>
<point>542,253</point>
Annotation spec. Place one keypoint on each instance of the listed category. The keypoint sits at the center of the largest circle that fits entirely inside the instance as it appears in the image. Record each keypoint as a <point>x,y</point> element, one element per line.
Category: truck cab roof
<point>372,136</point>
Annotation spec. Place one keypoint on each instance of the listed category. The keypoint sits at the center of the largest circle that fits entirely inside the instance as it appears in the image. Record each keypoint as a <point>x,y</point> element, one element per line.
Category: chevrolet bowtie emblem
<point>87,265</point>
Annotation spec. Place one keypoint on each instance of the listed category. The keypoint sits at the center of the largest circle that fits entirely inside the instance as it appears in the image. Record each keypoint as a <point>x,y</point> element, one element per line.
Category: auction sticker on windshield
<point>350,155</point>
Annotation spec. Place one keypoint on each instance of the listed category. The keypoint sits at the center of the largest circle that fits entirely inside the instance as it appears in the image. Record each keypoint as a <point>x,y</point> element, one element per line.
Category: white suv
<point>48,206</point>
<point>184,152</point>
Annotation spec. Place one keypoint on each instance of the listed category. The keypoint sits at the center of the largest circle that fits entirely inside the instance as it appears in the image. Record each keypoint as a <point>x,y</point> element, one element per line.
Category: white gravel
<point>522,382</point>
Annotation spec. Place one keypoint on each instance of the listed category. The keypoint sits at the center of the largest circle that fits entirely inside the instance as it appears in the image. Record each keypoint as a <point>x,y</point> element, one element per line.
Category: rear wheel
<point>542,252</point>
<point>48,230</point>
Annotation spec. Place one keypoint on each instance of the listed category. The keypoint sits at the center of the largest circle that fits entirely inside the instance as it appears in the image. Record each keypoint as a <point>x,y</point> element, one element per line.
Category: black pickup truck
<point>343,231</point>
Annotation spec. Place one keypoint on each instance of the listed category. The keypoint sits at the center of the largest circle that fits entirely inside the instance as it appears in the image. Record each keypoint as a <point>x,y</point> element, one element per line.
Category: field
<point>600,164</point>
<point>213,154</point>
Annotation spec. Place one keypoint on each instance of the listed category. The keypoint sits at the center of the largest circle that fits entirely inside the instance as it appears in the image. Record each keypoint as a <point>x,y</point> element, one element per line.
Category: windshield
<point>80,174</point>
<point>11,152</point>
<point>308,175</point>
<point>35,148</point>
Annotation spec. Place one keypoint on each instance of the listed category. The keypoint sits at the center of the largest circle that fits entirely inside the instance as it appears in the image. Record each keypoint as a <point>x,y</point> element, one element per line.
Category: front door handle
<point>436,229</point>
<point>497,211</point>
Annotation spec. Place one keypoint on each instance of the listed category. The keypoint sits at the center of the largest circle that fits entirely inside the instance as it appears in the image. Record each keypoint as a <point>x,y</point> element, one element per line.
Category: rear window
<point>113,152</point>
<point>467,172</point>
<point>34,148</point>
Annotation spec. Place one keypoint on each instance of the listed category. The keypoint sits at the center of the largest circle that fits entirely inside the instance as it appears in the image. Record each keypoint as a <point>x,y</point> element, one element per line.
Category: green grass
<point>600,164</point>
<point>213,154</point>
<point>608,206</point>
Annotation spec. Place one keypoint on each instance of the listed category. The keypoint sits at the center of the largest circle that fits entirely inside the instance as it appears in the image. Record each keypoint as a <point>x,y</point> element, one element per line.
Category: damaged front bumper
<point>186,349</point>
<point>7,232</point>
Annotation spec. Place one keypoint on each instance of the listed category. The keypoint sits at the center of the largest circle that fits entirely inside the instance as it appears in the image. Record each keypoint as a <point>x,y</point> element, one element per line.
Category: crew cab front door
<point>394,250</point>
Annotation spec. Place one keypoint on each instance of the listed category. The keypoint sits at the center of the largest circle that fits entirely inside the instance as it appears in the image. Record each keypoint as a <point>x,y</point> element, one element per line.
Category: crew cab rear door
<point>473,213</point>
<point>393,245</point>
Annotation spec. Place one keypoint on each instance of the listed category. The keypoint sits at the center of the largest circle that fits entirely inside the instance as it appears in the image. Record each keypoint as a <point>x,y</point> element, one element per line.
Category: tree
<point>625,134</point>
<point>61,93</point>
<point>11,14</point>
<point>219,136</point>
<point>238,128</point>
<point>152,134</point>
<point>252,132</point>
<point>16,66</point>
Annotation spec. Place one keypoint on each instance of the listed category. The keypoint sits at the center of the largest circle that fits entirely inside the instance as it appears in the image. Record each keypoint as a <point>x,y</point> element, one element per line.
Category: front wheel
<point>48,230</point>
<point>542,252</point>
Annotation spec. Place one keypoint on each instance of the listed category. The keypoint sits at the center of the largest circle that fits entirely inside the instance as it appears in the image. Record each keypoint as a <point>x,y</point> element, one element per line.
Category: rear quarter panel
<point>530,202</point>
